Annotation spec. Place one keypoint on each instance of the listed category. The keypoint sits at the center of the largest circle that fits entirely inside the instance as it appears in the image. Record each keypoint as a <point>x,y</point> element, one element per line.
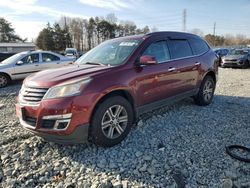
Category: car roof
<point>169,34</point>
<point>39,51</point>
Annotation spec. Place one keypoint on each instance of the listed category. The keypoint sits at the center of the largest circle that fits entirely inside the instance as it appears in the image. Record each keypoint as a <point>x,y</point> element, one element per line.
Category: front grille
<point>231,60</point>
<point>32,95</point>
<point>30,121</point>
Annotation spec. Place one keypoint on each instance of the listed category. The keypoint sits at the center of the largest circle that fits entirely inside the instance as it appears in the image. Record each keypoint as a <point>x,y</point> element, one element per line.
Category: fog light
<point>56,122</point>
<point>62,125</point>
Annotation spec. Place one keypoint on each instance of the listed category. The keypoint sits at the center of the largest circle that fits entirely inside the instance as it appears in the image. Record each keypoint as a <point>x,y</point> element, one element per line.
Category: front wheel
<point>111,121</point>
<point>4,80</point>
<point>206,92</point>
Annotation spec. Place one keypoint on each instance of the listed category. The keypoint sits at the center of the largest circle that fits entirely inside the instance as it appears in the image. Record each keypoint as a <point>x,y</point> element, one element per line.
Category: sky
<point>28,17</point>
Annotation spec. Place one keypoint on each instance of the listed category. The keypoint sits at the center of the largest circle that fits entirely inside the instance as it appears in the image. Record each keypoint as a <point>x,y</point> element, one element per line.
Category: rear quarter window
<point>179,48</point>
<point>198,46</point>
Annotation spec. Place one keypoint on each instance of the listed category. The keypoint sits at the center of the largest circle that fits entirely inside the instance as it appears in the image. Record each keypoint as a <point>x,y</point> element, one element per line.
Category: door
<point>50,61</point>
<point>159,81</point>
<point>185,63</point>
<point>26,66</point>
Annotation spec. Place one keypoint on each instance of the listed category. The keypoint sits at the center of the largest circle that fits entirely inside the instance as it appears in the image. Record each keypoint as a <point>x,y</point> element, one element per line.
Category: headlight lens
<point>66,89</point>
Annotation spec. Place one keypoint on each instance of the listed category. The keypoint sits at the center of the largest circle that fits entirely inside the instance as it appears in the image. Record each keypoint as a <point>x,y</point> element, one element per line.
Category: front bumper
<point>236,64</point>
<point>63,120</point>
<point>79,135</point>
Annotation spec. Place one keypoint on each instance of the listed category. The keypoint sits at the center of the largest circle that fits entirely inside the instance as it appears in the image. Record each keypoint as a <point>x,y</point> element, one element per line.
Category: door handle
<point>36,65</point>
<point>171,69</point>
<point>197,64</point>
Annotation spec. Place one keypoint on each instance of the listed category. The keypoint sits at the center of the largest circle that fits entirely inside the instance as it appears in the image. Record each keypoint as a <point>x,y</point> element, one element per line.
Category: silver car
<point>23,64</point>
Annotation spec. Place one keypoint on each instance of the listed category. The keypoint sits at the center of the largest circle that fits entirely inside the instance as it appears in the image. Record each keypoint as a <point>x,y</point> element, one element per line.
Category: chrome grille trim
<point>32,95</point>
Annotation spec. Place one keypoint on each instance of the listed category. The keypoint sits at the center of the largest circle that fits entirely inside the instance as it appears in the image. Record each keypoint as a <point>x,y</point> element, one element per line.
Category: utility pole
<point>214,32</point>
<point>214,27</point>
<point>184,20</point>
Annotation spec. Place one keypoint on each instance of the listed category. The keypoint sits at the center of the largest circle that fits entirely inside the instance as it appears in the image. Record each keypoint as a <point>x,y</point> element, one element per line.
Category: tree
<point>85,34</point>
<point>111,18</point>
<point>214,40</point>
<point>45,39</point>
<point>146,30</point>
<point>7,33</point>
<point>90,31</point>
<point>54,39</point>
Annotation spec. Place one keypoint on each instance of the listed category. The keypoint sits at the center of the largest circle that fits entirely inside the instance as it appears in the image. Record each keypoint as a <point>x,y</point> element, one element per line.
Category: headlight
<point>67,89</point>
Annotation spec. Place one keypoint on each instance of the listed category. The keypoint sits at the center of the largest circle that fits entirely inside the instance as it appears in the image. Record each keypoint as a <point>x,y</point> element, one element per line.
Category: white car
<point>23,64</point>
<point>71,52</point>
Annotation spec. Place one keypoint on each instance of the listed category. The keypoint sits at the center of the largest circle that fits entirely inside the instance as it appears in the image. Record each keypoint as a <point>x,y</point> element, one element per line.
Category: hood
<point>51,77</point>
<point>230,57</point>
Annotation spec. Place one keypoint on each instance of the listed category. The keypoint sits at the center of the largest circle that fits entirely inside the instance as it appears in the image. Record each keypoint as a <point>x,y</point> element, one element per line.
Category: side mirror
<point>148,60</point>
<point>19,63</point>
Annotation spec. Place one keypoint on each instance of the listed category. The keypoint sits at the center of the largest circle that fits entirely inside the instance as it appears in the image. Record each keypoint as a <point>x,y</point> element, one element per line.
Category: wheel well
<point>212,74</point>
<point>123,93</point>
<point>5,74</point>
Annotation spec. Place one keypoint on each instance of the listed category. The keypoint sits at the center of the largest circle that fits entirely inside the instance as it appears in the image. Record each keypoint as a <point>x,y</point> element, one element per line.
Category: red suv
<point>100,97</point>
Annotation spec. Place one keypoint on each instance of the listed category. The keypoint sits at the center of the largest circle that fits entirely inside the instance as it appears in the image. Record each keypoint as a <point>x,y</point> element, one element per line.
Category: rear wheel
<point>4,80</point>
<point>111,122</point>
<point>206,92</point>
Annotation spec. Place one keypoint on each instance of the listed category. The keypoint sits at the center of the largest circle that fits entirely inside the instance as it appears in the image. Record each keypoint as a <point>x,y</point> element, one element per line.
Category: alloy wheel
<point>3,81</point>
<point>114,121</point>
<point>208,90</point>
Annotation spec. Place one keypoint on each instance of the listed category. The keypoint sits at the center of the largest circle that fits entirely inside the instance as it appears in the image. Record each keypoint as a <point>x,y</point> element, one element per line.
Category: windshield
<point>238,52</point>
<point>12,58</point>
<point>70,51</point>
<point>110,53</point>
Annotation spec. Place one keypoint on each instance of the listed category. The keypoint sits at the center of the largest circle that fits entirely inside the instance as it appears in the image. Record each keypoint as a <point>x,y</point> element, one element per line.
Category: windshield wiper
<point>93,63</point>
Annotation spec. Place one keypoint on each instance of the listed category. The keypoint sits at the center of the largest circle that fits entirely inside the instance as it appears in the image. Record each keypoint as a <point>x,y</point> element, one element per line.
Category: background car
<point>71,52</point>
<point>221,52</point>
<point>237,58</point>
<point>23,64</point>
<point>5,55</point>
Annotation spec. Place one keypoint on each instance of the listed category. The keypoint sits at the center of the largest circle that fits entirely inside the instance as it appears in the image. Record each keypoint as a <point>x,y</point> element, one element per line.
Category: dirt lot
<point>181,144</point>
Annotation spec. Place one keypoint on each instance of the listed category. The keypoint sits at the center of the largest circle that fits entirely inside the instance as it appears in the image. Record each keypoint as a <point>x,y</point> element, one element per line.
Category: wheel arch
<point>6,74</point>
<point>212,74</point>
<point>118,92</point>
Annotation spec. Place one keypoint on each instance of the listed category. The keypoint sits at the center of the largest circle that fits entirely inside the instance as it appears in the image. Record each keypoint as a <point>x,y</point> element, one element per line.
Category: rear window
<point>179,48</point>
<point>46,57</point>
<point>198,46</point>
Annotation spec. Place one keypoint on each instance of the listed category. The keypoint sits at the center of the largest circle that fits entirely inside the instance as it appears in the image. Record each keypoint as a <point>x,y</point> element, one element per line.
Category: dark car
<point>237,58</point>
<point>5,55</point>
<point>221,52</point>
<point>103,95</point>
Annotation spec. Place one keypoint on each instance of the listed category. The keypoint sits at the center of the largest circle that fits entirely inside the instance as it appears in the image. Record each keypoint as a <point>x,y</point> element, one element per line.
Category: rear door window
<point>47,57</point>
<point>159,50</point>
<point>179,48</point>
<point>199,46</point>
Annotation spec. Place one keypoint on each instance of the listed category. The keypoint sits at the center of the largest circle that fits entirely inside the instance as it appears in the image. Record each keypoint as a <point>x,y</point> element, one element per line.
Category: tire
<point>109,125</point>
<point>245,65</point>
<point>206,92</point>
<point>4,80</point>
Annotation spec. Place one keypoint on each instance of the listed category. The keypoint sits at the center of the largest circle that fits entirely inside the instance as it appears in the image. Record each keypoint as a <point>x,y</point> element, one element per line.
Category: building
<point>16,47</point>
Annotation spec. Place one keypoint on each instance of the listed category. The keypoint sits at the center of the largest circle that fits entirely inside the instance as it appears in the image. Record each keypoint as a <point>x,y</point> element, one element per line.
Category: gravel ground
<point>176,146</point>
